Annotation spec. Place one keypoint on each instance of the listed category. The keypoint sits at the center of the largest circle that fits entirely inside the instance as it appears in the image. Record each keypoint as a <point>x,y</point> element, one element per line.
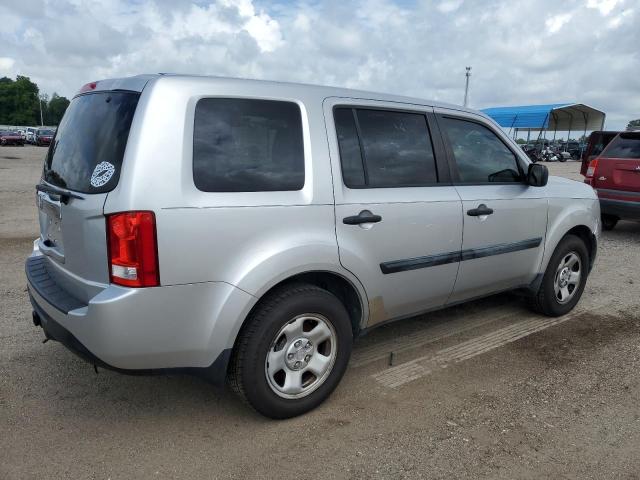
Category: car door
<point>504,219</point>
<point>398,218</point>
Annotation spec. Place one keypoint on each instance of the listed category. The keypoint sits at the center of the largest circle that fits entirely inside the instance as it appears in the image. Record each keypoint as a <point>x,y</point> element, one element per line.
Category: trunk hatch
<point>619,164</point>
<point>85,157</point>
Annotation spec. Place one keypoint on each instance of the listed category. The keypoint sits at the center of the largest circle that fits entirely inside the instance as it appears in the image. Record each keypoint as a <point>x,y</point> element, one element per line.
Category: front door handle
<point>481,210</point>
<point>365,216</point>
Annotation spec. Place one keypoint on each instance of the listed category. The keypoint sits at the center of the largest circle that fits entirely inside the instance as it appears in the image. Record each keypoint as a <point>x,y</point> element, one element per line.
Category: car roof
<point>138,83</point>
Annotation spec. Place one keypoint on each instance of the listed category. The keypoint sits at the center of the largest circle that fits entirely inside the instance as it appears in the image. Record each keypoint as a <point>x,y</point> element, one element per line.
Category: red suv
<point>615,175</point>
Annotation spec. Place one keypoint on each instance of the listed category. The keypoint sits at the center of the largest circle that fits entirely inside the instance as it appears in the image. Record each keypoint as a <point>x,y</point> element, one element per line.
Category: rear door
<point>398,219</point>
<point>504,219</point>
<point>84,158</point>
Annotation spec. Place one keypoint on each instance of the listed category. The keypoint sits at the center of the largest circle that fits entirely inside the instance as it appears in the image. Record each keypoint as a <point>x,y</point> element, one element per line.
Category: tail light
<point>133,252</point>
<point>591,171</point>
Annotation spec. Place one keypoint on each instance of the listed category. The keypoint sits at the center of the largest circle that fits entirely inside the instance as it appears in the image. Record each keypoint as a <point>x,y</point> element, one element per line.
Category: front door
<point>504,218</point>
<point>398,218</point>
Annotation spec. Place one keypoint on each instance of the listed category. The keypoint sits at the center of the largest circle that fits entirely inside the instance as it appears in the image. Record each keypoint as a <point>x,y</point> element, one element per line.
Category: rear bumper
<point>627,210</point>
<point>188,328</point>
<point>215,373</point>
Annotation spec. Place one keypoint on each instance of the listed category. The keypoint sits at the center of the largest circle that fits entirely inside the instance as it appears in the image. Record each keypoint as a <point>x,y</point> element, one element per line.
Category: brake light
<point>133,252</point>
<point>88,87</point>
<point>591,171</point>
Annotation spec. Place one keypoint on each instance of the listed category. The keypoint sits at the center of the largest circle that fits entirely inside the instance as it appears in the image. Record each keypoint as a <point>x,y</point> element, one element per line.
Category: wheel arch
<point>581,218</point>
<point>587,236</point>
<point>345,289</point>
<point>352,297</point>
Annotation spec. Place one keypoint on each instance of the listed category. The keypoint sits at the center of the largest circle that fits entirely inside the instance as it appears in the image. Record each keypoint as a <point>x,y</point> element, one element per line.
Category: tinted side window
<point>242,145</point>
<point>396,149</point>
<point>480,155</point>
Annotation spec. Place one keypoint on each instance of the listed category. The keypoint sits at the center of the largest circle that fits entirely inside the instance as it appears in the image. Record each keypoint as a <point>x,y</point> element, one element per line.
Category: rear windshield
<point>625,145</point>
<point>87,150</point>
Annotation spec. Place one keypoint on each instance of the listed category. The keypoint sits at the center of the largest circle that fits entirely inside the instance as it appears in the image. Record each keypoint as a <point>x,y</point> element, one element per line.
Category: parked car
<point>615,175</point>
<point>278,222</point>
<point>8,137</point>
<point>30,135</point>
<point>43,137</point>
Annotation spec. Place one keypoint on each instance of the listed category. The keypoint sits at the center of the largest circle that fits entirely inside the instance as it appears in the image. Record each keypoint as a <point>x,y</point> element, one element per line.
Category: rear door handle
<point>481,210</point>
<point>365,216</point>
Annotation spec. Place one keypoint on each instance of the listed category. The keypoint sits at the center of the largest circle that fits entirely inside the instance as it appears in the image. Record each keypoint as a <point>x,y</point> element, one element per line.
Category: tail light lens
<point>591,171</point>
<point>133,252</point>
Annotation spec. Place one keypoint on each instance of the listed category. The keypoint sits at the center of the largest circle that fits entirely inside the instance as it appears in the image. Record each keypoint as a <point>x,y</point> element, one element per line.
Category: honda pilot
<point>251,230</point>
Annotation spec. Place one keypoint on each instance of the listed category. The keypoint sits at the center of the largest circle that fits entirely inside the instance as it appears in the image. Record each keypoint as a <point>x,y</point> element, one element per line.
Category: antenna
<point>466,87</point>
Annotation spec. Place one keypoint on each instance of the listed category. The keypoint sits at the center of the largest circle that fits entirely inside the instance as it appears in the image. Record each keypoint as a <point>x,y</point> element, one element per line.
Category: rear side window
<point>625,145</point>
<point>599,141</point>
<point>480,155</point>
<point>383,148</point>
<point>243,145</point>
<point>87,150</point>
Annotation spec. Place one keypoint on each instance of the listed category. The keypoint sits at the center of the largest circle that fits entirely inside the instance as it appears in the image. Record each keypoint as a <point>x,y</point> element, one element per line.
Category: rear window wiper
<point>63,193</point>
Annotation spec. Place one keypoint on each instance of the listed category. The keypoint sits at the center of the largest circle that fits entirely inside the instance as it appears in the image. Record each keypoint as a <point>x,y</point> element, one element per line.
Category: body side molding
<point>460,256</point>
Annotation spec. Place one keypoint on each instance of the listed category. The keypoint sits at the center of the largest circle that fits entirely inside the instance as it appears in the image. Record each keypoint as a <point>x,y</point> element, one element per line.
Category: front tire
<point>564,280</point>
<point>292,351</point>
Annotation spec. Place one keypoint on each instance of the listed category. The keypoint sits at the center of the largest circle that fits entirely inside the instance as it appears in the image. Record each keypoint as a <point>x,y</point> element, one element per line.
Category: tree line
<point>19,100</point>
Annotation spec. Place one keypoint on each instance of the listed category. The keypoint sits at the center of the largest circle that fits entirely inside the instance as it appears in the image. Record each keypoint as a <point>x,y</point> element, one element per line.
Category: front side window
<point>244,145</point>
<point>383,148</point>
<point>479,154</point>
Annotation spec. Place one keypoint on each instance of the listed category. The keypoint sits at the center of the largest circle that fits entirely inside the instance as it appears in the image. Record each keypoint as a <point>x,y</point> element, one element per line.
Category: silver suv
<point>251,230</point>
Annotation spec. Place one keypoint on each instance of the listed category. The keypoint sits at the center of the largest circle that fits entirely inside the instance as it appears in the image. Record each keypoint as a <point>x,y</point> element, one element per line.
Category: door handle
<point>482,209</point>
<point>365,216</point>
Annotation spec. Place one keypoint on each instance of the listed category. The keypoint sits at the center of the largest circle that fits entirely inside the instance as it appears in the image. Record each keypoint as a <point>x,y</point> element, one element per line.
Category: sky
<point>521,52</point>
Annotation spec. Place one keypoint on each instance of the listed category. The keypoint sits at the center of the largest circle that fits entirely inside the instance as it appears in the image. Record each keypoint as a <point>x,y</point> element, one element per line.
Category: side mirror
<point>538,175</point>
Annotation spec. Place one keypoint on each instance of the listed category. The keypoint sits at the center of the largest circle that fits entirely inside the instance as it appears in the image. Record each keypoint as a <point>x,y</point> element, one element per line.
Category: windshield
<point>45,132</point>
<point>625,145</point>
<point>87,150</point>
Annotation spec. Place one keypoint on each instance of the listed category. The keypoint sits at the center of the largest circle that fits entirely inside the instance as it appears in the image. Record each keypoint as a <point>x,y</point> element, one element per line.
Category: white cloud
<point>448,6</point>
<point>521,51</point>
<point>604,6</point>
<point>555,23</point>
<point>6,66</point>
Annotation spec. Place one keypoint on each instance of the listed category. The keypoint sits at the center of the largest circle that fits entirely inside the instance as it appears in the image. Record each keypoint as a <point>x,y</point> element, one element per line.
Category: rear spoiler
<point>132,84</point>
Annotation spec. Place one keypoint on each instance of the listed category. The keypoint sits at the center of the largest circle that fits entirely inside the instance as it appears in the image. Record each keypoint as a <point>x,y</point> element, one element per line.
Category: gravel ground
<point>559,403</point>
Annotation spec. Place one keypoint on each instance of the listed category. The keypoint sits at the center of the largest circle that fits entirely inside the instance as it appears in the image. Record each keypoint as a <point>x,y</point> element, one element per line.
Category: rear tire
<point>292,352</point>
<point>564,279</point>
<point>609,222</point>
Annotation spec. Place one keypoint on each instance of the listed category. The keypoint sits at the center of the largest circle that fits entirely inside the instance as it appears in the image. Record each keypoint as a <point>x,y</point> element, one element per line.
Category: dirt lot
<point>486,390</point>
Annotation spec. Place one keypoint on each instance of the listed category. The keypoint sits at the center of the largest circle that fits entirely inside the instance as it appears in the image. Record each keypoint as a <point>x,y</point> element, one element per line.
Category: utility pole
<point>466,87</point>
<point>40,105</point>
